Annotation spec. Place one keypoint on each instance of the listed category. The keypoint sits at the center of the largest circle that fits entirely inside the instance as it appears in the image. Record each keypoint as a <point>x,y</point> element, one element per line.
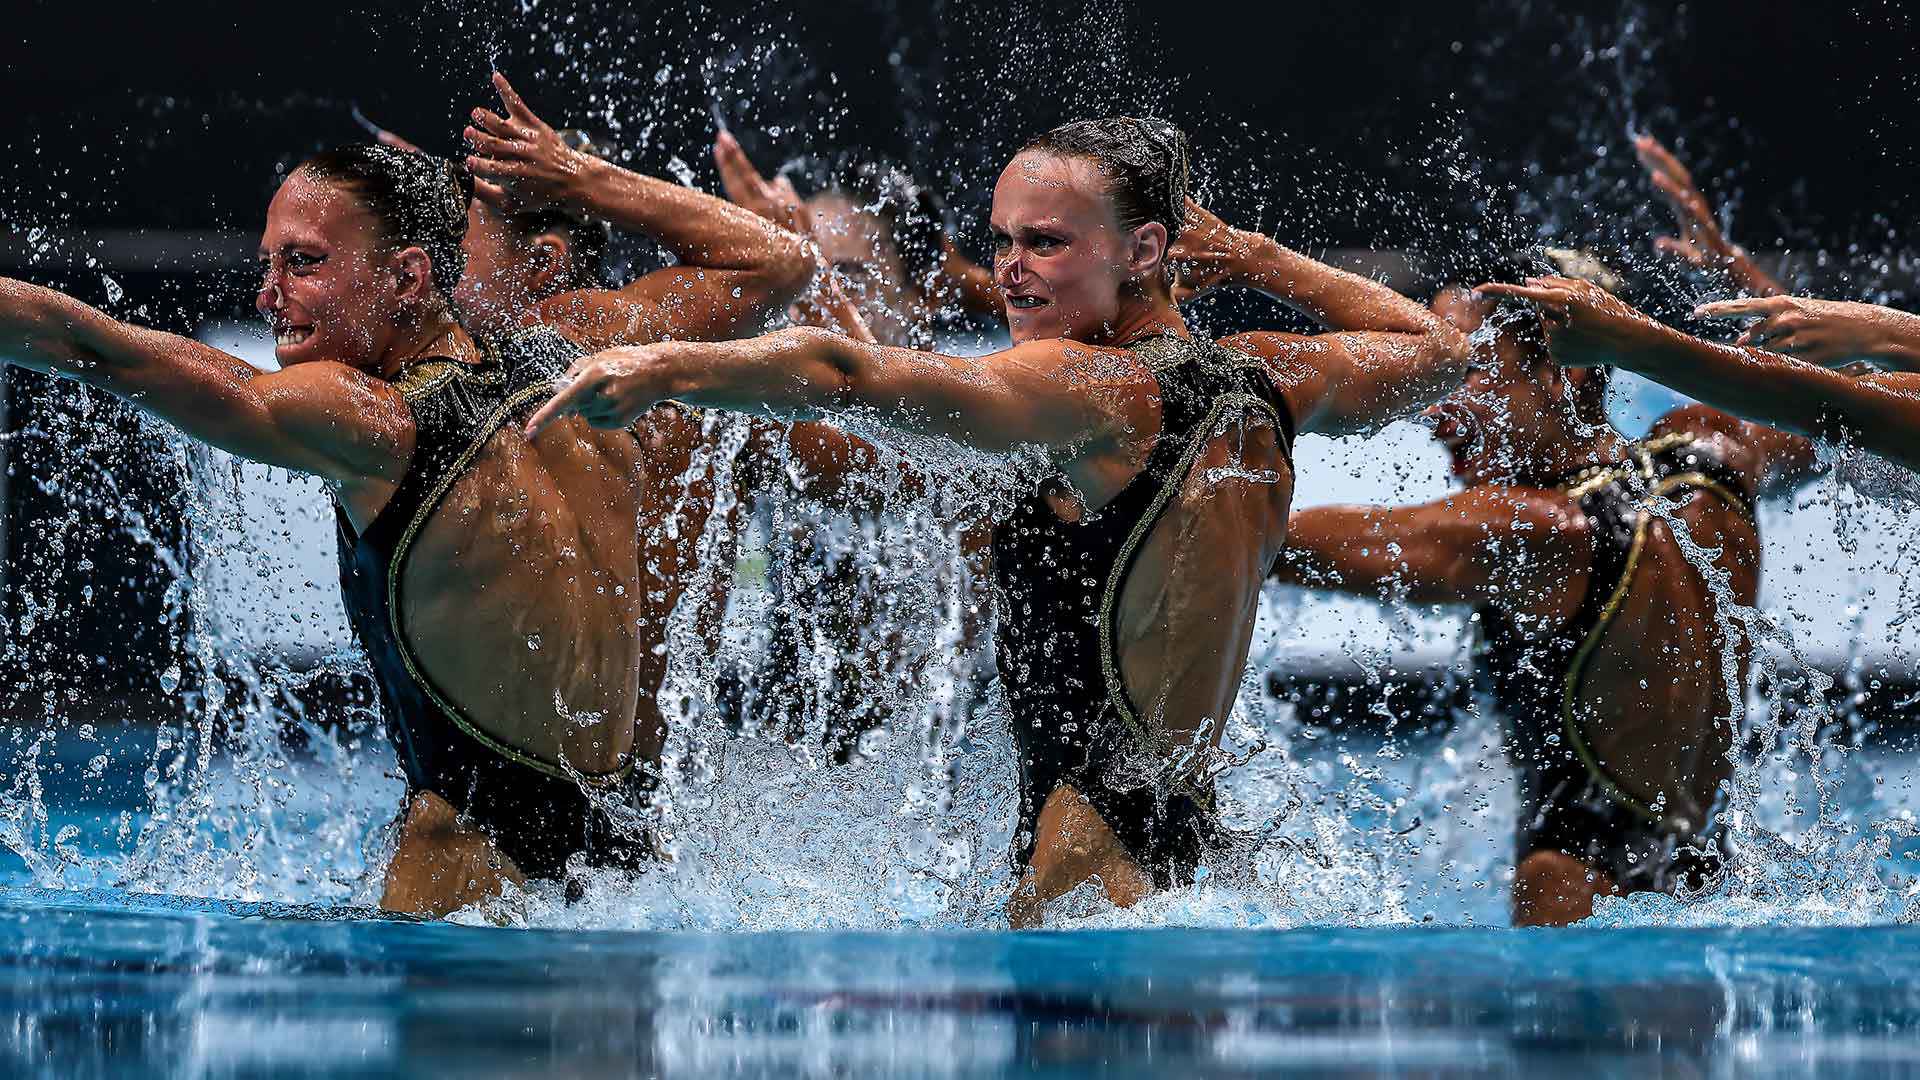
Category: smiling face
<point>330,289</point>
<point>1059,256</point>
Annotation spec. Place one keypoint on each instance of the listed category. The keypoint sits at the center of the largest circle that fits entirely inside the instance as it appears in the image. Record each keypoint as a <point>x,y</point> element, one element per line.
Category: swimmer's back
<point>532,597</point>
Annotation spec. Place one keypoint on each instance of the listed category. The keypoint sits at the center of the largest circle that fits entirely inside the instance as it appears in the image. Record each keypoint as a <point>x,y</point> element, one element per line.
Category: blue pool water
<point>107,985</point>
<point>106,982</point>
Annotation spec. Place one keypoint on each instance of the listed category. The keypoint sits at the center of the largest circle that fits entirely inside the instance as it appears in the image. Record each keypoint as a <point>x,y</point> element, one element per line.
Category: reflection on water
<point>100,992</point>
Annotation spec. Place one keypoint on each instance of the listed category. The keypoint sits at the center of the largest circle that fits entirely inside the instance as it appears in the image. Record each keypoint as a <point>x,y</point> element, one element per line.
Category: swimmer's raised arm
<point>1212,254</point>
<point>1588,327</point>
<point>1355,381</point>
<point>735,266</point>
<point>776,200</point>
<point>1097,407</point>
<point>323,418</point>
<point>1700,241</point>
<point>1489,544</point>
<point>1388,356</point>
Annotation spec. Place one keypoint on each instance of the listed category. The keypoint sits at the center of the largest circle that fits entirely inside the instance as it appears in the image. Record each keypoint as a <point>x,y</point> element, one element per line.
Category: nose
<point>269,297</point>
<point>1011,268</point>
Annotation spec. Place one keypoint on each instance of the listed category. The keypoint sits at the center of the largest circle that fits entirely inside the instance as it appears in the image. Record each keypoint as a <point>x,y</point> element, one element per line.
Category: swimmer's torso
<point>1630,697</point>
<point>529,598</point>
<point>1123,634</point>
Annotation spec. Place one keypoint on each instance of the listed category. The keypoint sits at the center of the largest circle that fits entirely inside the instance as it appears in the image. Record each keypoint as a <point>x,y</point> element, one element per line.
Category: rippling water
<point>105,985</point>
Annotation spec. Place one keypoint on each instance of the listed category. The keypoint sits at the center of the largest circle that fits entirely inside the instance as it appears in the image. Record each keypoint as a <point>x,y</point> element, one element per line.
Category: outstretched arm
<point>1387,357</point>
<point>1498,545</point>
<point>321,418</point>
<point>1096,409</point>
<point>1211,254</point>
<point>1700,241</point>
<point>735,266</point>
<point>1587,327</point>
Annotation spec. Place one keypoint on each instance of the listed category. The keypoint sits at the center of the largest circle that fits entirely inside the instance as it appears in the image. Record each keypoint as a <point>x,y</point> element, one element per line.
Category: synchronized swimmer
<point>505,433</point>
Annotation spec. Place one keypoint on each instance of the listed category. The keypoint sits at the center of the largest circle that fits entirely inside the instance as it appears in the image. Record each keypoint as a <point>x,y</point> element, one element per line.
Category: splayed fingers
<point>745,187</point>
<point>610,389</point>
<point>522,160</point>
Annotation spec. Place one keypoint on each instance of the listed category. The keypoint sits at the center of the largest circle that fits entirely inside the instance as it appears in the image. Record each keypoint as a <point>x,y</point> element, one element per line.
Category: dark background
<point>177,115</point>
<point>148,138</point>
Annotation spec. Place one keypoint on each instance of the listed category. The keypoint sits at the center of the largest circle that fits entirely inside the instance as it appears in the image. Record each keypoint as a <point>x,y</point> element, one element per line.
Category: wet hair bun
<point>1145,159</point>
<point>417,200</point>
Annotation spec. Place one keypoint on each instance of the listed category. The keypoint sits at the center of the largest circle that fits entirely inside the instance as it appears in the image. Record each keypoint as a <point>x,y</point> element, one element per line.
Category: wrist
<point>588,182</point>
<point>1897,338</point>
<point>1258,260</point>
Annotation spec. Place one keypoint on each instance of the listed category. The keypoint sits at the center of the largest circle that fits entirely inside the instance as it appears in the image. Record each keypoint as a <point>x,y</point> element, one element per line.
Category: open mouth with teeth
<point>1025,303</point>
<point>291,335</point>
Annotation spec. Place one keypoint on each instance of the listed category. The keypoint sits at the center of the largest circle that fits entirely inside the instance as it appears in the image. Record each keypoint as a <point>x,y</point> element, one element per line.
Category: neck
<point>434,335</point>
<point>1557,458</point>
<point>1149,314</point>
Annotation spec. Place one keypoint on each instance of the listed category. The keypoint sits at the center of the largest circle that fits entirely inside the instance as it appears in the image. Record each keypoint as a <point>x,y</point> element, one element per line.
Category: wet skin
<point>531,599</point>
<point>533,545</point>
<point>1077,287</point>
<point>1653,696</point>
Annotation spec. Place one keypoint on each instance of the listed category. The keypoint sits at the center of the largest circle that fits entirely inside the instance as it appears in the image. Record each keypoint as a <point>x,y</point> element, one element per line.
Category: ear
<point>552,260</point>
<point>1147,249</point>
<point>414,270</point>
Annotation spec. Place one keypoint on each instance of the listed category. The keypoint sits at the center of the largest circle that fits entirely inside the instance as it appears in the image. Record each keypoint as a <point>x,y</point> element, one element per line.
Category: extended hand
<point>1700,241</point>
<point>519,162</point>
<point>1208,254</point>
<point>1831,333</point>
<point>773,199</point>
<point>609,389</point>
<point>1586,325</point>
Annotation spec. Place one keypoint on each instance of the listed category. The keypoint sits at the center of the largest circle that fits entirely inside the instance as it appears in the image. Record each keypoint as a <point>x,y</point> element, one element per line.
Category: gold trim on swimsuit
<point>1117,694</point>
<point>1584,484</point>
<point>435,380</point>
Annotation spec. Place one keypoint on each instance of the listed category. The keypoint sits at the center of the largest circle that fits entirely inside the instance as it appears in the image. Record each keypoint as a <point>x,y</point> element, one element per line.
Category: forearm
<point>52,332</point>
<point>1357,550</point>
<point>699,229</point>
<point>1335,298</point>
<point>1877,414</point>
<point>1022,397</point>
<point>800,373</point>
<point>1356,382</point>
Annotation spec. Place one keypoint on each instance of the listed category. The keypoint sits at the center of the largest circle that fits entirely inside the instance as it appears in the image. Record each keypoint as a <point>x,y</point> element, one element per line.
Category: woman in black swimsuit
<point>1128,581</point>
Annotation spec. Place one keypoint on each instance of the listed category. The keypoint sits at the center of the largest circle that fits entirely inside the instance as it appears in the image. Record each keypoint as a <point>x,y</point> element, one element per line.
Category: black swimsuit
<point>1059,586</point>
<point>538,812</point>
<point>1569,801</point>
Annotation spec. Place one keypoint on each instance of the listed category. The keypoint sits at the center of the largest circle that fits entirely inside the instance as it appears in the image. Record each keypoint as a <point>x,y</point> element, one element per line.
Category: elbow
<point>790,268</point>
